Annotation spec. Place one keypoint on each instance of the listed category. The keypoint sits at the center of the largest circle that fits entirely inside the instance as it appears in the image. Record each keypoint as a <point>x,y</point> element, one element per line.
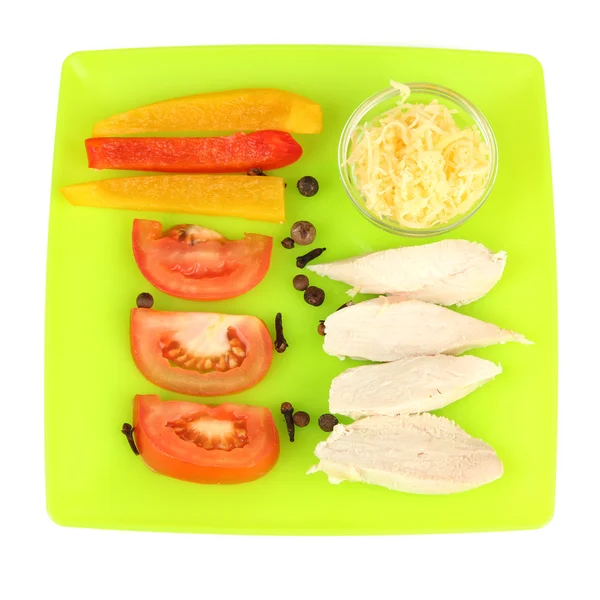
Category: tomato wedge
<point>192,262</point>
<point>229,443</point>
<point>202,354</point>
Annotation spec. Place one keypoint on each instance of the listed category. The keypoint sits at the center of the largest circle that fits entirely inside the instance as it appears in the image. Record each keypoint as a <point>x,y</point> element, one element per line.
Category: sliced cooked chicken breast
<point>410,385</point>
<point>447,272</point>
<point>390,328</point>
<point>420,454</point>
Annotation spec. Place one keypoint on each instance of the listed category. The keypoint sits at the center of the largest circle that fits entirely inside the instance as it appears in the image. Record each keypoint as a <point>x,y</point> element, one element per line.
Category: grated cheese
<point>416,166</point>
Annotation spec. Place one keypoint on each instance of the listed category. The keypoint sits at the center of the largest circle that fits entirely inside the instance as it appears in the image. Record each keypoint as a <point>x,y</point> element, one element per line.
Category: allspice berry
<point>314,295</point>
<point>303,233</point>
<point>144,300</point>
<point>301,418</point>
<point>327,422</point>
<point>300,282</point>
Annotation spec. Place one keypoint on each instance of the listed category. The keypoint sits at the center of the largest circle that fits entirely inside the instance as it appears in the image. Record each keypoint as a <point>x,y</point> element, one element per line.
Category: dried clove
<point>301,418</point>
<point>327,422</point>
<point>127,431</point>
<point>287,243</point>
<point>345,305</point>
<point>287,410</point>
<point>257,171</point>
<point>280,341</point>
<point>321,328</point>
<point>302,261</point>
<point>144,300</point>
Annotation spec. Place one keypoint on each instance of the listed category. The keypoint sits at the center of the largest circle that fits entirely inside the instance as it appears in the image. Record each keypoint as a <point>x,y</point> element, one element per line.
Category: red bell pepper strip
<point>235,153</point>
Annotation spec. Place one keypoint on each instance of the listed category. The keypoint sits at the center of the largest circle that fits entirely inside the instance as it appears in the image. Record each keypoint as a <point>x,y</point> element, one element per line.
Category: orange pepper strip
<point>256,198</point>
<point>233,110</point>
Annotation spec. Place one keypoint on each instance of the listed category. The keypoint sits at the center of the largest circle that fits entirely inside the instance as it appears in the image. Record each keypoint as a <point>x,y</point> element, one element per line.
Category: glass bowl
<point>373,107</point>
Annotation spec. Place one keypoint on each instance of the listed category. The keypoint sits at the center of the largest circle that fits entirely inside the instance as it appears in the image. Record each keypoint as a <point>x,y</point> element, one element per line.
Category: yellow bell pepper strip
<point>255,198</point>
<point>233,110</point>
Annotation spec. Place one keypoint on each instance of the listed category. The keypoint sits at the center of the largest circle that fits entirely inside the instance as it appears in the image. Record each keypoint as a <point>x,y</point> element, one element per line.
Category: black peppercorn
<point>321,328</point>
<point>314,295</point>
<point>144,300</point>
<point>301,418</point>
<point>327,422</point>
<point>300,282</point>
<point>287,243</point>
<point>308,186</point>
<point>303,233</point>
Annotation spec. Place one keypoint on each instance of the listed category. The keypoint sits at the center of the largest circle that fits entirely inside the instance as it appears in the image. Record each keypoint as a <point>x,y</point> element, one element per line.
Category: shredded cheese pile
<point>416,166</point>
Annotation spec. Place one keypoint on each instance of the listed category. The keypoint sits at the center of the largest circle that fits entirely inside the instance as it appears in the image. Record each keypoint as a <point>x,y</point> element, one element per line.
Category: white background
<point>42,558</point>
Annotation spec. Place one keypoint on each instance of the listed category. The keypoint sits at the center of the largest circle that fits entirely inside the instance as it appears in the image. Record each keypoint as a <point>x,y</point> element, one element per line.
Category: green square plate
<point>93,480</point>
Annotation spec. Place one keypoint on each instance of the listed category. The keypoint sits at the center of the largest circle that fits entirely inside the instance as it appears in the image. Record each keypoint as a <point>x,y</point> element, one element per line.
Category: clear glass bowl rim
<point>437,91</point>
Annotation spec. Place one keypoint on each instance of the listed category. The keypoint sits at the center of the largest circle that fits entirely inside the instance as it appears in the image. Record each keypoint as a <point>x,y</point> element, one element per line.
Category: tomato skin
<point>165,453</point>
<point>156,257</point>
<point>150,327</point>
<point>235,153</point>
